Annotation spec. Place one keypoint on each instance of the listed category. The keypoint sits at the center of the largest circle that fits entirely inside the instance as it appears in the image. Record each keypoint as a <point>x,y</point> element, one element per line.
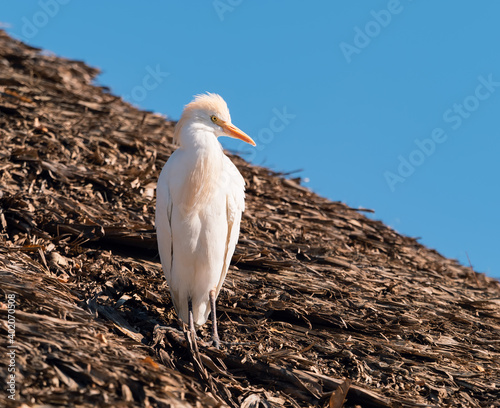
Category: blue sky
<point>391,105</point>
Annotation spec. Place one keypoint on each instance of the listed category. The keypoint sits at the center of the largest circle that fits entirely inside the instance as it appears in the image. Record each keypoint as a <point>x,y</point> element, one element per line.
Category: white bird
<point>200,198</point>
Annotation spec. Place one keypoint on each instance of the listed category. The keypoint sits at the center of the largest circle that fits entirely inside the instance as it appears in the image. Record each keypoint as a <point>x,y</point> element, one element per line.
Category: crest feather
<point>210,102</point>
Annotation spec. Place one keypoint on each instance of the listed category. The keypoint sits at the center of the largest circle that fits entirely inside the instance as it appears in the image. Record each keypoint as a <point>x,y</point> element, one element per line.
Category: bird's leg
<point>215,335</point>
<point>191,331</point>
<point>191,319</point>
<point>190,334</point>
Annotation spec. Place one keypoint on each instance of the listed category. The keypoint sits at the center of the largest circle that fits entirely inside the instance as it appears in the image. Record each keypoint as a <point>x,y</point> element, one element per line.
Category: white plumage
<point>200,199</point>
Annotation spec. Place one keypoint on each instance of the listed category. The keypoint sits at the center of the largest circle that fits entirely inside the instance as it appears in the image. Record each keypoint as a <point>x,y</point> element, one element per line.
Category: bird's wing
<point>235,205</point>
<point>163,222</point>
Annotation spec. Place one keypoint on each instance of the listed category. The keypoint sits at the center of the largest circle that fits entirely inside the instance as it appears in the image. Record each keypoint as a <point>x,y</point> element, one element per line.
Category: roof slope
<point>317,292</point>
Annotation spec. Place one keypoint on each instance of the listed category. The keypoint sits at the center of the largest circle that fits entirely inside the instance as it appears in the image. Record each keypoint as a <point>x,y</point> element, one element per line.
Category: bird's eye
<point>213,118</point>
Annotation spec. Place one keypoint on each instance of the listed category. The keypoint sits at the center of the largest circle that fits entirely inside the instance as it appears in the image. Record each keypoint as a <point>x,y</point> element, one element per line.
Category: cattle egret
<point>200,199</point>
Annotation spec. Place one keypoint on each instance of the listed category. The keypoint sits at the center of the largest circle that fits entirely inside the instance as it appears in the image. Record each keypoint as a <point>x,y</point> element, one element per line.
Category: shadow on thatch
<point>317,293</point>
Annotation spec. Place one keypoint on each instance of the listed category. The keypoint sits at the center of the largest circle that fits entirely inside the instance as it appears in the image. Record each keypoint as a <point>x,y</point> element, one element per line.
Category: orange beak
<point>232,131</point>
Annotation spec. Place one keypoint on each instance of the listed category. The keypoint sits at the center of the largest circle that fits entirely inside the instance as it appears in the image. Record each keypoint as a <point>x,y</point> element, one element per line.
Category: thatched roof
<point>317,293</point>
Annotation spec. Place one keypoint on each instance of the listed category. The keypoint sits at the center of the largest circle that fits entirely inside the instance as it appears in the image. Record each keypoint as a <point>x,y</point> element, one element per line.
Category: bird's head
<point>211,110</point>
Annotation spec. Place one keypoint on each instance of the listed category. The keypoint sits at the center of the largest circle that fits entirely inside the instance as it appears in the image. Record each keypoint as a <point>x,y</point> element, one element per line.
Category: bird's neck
<point>204,156</point>
<point>199,137</point>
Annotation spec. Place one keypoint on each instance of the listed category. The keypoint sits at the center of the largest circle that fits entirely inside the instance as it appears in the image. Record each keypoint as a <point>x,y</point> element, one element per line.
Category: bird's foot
<point>216,342</point>
<point>170,329</point>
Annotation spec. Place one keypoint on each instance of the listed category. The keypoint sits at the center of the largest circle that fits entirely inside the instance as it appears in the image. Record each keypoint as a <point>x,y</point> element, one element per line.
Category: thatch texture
<point>317,293</point>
